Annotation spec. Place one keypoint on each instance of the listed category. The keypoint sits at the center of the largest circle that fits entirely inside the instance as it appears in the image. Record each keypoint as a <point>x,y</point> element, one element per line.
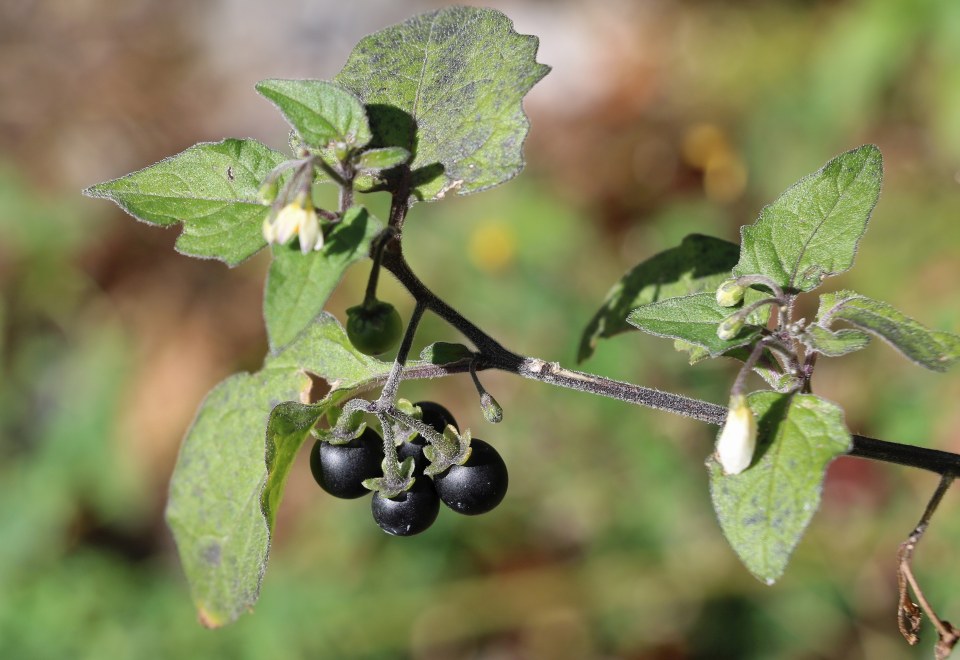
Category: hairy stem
<point>491,354</point>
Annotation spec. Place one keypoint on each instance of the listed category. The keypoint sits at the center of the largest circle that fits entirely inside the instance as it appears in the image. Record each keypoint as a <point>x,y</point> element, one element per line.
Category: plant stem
<point>389,393</point>
<point>491,354</point>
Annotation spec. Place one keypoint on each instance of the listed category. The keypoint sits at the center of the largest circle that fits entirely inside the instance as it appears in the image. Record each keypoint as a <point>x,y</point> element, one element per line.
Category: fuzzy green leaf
<point>299,285</point>
<point>376,160</point>
<point>225,487</point>
<point>700,263</point>
<point>211,188</point>
<point>321,112</point>
<point>932,349</point>
<point>448,86</point>
<point>833,344</point>
<point>694,319</point>
<point>765,510</point>
<point>812,230</point>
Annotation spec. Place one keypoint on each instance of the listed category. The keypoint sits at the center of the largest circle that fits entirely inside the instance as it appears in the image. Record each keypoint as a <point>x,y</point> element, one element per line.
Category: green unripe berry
<point>729,293</point>
<point>374,328</point>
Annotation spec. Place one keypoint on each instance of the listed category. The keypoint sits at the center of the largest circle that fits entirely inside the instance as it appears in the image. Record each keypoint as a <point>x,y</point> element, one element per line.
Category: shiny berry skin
<point>410,512</point>
<point>478,485</point>
<point>436,417</point>
<point>341,469</point>
<point>374,328</point>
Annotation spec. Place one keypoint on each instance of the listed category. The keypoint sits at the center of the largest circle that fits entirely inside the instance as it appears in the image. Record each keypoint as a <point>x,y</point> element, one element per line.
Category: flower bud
<point>492,411</point>
<point>311,238</point>
<point>729,293</point>
<point>738,438</point>
<point>729,327</point>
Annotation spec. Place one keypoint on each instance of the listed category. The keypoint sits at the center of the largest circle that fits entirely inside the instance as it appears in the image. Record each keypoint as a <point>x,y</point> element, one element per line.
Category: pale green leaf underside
<point>211,188</point>
<point>700,263</point>
<point>834,343</point>
<point>376,160</point>
<point>321,112</point>
<point>765,510</point>
<point>932,349</point>
<point>221,528</point>
<point>812,230</point>
<point>299,285</point>
<point>694,319</point>
<point>448,86</point>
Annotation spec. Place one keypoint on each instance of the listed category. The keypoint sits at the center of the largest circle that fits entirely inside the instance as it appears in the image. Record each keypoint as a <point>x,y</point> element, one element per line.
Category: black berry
<point>478,485</point>
<point>341,469</point>
<point>410,512</point>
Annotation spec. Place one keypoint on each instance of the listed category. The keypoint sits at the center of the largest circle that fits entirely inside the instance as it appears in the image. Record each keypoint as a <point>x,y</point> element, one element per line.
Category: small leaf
<point>211,188</point>
<point>442,352</point>
<point>765,510</point>
<point>299,285</point>
<point>376,160</point>
<point>833,344</point>
<point>694,319</point>
<point>288,426</point>
<point>932,349</point>
<point>812,230</point>
<point>700,263</point>
<point>448,86</point>
<point>226,488</point>
<point>320,111</point>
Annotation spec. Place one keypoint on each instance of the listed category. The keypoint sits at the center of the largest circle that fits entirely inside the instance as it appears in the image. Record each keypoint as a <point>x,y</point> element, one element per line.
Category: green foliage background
<point>606,545</point>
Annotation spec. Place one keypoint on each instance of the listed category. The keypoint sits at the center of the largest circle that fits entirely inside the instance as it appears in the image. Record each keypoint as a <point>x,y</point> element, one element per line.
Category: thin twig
<point>908,613</point>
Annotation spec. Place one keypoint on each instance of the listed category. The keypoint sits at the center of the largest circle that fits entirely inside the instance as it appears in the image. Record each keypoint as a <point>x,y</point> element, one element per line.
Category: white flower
<point>738,438</point>
<point>295,219</point>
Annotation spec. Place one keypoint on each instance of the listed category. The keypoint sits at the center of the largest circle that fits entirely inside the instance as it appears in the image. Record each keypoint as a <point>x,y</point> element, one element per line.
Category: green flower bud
<point>729,327</point>
<point>729,293</point>
<point>738,438</point>
<point>492,411</point>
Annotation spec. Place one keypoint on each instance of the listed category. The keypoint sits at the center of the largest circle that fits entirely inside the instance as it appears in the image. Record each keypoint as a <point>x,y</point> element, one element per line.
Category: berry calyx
<point>341,469</point>
<point>410,512</point>
<point>436,417</point>
<point>374,327</point>
<point>478,485</point>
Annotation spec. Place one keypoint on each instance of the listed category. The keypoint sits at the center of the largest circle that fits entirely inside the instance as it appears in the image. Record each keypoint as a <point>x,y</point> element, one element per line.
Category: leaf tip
<point>207,619</point>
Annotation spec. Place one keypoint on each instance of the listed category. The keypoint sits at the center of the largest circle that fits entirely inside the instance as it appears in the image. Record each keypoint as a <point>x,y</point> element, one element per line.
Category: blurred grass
<point>606,545</point>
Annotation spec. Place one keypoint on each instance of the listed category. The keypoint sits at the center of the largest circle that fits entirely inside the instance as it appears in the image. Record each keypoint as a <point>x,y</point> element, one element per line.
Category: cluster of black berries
<point>475,487</point>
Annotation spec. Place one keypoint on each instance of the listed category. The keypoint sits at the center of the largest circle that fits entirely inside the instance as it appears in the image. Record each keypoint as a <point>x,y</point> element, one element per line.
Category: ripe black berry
<point>478,485</point>
<point>341,469</point>
<point>436,417</point>
<point>410,512</point>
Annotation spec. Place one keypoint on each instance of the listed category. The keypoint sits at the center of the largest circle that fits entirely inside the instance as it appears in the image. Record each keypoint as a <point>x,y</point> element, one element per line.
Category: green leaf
<point>694,319</point>
<point>812,230</point>
<point>700,263</point>
<point>226,488</point>
<point>320,111</point>
<point>448,86</point>
<point>929,348</point>
<point>442,352</point>
<point>833,344</point>
<point>765,510</point>
<point>376,160</point>
<point>299,285</point>
<point>211,188</point>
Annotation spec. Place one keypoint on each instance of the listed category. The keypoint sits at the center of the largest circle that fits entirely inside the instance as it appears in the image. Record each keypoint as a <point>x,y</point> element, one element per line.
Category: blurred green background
<point>659,119</point>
